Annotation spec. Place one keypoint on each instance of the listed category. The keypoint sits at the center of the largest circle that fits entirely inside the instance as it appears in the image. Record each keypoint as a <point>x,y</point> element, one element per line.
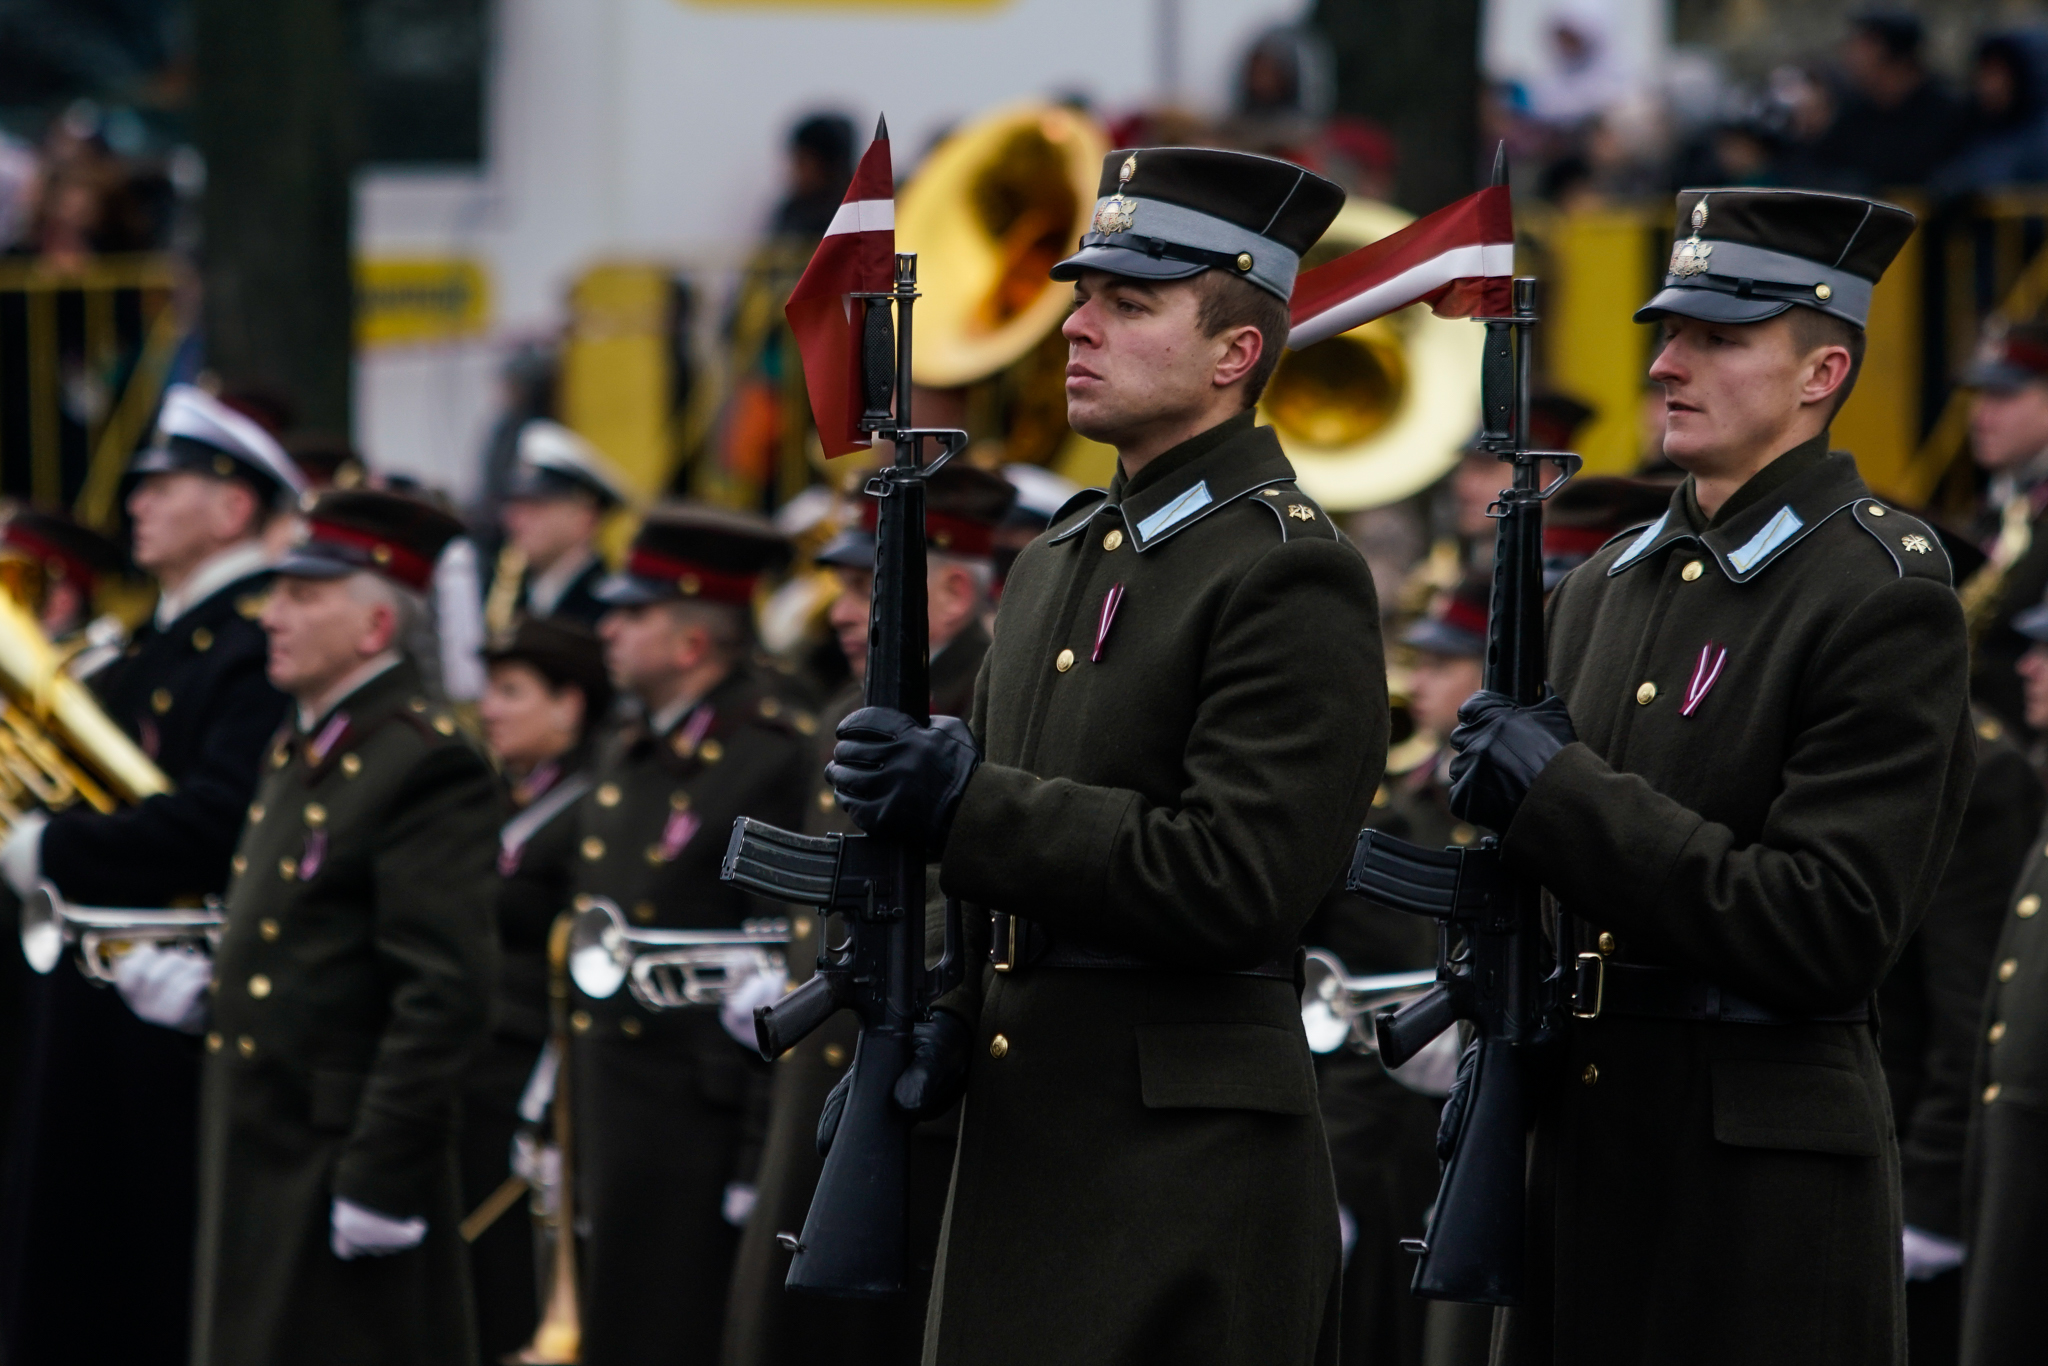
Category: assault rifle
<point>1490,943</point>
<point>853,1239</point>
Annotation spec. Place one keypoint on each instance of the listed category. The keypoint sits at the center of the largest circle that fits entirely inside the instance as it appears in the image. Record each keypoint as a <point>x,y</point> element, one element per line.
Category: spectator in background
<point>2005,131</point>
<point>1897,123</point>
<point>526,390</point>
<point>1585,80</point>
<point>820,169</point>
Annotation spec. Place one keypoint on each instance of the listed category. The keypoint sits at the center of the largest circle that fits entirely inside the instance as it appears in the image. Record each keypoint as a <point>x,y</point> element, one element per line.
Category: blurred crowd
<point>73,196</point>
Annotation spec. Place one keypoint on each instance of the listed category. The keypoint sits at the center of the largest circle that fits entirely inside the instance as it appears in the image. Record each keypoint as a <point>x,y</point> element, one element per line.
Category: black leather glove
<point>937,1073</point>
<point>1501,748</point>
<point>899,779</point>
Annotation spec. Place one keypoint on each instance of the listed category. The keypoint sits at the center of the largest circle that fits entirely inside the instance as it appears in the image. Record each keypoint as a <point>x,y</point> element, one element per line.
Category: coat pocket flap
<point>1802,1107</point>
<point>336,1098</point>
<point>1245,1066</point>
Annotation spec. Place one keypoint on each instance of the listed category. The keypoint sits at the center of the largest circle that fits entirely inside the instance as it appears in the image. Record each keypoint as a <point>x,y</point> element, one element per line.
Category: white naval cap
<point>554,461</point>
<point>197,432</point>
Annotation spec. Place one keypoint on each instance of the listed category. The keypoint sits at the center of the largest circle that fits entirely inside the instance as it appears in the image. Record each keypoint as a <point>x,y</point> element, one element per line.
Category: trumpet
<point>50,924</point>
<point>1337,1011</point>
<point>667,969</point>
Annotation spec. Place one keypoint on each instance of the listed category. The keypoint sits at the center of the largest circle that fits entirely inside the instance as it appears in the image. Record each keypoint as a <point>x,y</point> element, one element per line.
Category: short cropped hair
<point>1813,329</point>
<point>1229,302</point>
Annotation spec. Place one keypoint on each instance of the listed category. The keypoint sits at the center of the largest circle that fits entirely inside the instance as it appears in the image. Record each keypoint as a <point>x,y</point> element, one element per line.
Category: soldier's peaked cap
<point>555,462</point>
<point>690,551</point>
<point>1745,255</point>
<point>1166,213</point>
<point>351,531</point>
<point>199,434</point>
<point>962,507</point>
<point>561,651</point>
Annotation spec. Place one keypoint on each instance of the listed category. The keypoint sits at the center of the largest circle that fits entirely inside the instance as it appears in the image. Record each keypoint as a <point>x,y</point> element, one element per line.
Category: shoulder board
<point>1300,516</point>
<point>1090,499</point>
<point>776,714</point>
<point>1915,547</point>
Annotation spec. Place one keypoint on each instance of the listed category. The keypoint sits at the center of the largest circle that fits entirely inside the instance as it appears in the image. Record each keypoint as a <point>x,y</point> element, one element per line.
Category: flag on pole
<point>1459,260</point>
<point>858,256</point>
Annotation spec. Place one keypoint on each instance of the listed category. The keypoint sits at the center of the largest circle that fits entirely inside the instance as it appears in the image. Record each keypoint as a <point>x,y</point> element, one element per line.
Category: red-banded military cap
<point>2010,358</point>
<point>962,508</point>
<point>688,552</point>
<point>350,531</point>
<point>1589,512</point>
<point>63,548</point>
<point>1456,623</point>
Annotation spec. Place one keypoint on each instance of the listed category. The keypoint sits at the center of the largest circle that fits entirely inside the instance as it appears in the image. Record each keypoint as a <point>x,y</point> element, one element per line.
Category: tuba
<point>1382,411</point>
<point>667,969</point>
<point>1337,1010</point>
<point>57,748</point>
<point>558,1338</point>
<point>101,934</point>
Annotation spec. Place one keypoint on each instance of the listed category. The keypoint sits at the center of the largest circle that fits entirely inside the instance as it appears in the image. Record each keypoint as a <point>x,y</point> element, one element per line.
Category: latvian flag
<point>857,256</point>
<point>1459,261</point>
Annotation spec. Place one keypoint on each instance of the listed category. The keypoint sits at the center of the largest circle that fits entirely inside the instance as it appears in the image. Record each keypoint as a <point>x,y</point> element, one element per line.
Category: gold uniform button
<point>644,912</point>
<point>1823,292</point>
<point>445,724</point>
<point>656,856</point>
<point>418,704</point>
<point>255,813</point>
<point>1876,511</point>
<point>1997,1032</point>
<point>1590,1074</point>
<point>770,708</point>
<point>202,639</point>
<point>805,723</point>
<point>1606,942</point>
<point>351,765</point>
<point>1380,799</point>
<point>679,801</point>
<point>1065,661</point>
<point>269,929</point>
<point>835,1055</point>
<point>259,986</point>
<point>802,926</point>
<point>825,799</point>
<point>593,848</point>
<point>1113,539</point>
<point>288,867</point>
<point>711,751</point>
<point>316,815</point>
<point>246,1046</point>
<point>1991,1093</point>
<point>1463,834</point>
<point>2029,906</point>
<point>630,1027</point>
<point>160,701</point>
<point>1987,729</point>
<point>2007,969</point>
<point>579,1020</point>
<point>280,756</point>
<point>240,864</point>
<point>608,795</point>
<point>998,1047</point>
<point>214,1042</point>
<point>1693,569</point>
<point>1646,694</point>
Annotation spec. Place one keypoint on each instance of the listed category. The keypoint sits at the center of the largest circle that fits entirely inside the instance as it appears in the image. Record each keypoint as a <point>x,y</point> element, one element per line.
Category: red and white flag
<point>858,256</point>
<point>1459,260</point>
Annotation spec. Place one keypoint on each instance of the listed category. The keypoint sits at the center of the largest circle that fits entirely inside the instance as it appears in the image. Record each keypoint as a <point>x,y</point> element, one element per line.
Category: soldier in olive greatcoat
<point>1742,797</point>
<point>668,1103</point>
<point>190,690</point>
<point>1179,727</point>
<point>765,1325</point>
<point>352,985</point>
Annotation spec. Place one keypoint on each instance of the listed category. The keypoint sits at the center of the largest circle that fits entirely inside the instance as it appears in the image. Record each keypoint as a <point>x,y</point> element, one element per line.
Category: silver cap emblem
<point>1690,257</point>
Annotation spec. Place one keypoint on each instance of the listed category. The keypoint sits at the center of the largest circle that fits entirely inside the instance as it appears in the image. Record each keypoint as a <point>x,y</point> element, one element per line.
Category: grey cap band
<point>1774,279</point>
<point>1154,220</point>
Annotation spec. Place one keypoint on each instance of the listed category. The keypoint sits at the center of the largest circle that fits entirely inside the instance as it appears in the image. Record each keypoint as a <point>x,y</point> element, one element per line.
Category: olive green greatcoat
<point>667,1104</point>
<point>1142,1174</point>
<point>2005,1178</point>
<point>352,987</point>
<point>1705,1191</point>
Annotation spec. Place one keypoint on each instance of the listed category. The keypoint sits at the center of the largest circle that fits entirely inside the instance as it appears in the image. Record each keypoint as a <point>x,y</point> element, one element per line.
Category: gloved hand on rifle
<point>899,779</point>
<point>1501,748</point>
<point>931,1082</point>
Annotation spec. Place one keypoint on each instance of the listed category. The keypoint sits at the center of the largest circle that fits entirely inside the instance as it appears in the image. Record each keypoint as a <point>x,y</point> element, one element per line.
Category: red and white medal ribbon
<point>1110,602</point>
<point>1704,672</point>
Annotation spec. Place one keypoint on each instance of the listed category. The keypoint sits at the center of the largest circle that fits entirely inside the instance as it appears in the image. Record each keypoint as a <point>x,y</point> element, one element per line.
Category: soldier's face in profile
<point>1137,359</point>
<point>1438,685</point>
<point>320,630</point>
<point>848,615</point>
<point>1733,390</point>
<point>649,648</point>
<point>2008,427</point>
<point>2033,668</point>
<point>181,518</point>
<point>545,529</point>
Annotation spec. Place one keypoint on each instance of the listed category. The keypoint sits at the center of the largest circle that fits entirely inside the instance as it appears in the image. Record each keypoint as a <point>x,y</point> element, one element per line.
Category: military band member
<point>543,710</point>
<point>190,691</point>
<point>1180,725</point>
<point>561,490</point>
<point>663,1101</point>
<point>55,568</point>
<point>1742,797</point>
<point>964,511</point>
<point>352,985</point>
<point>2005,1180</point>
<point>2009,442</point>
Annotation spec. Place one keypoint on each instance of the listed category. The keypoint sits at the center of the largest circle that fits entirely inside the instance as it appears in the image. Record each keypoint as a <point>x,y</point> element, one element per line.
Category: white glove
<point>1930,1254</point>
<point>358,1232</point>
<point>539,1164</point>
<point>738,1203</point>
<point>736,1010</point>
<point>166,986</point>
<point>21,856</point>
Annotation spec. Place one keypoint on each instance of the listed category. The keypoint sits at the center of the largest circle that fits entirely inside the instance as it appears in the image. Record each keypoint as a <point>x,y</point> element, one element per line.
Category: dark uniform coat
<point>765,1324</point>
<point>109,1119</point>
<point>664,1101</point>
<point>1994,680</point>
<point>1771,823</point>
<point>351,989</point>
<point>1142,1174</point>
<point>2005,1198</point>
<point>536,867</point>
<point>578,601</point>
<point>1932,1003</point>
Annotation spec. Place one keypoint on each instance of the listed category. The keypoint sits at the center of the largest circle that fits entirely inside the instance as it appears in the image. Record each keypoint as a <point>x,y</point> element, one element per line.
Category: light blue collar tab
<point>1644,541</point>
<point>1175,512</point>
<point>1780,529</point>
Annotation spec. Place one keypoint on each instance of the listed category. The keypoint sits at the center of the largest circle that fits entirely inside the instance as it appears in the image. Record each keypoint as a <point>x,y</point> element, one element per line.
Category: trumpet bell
<point>42,938</point>
<point>990,212</point>
<point>599,956</point>
<point>1375,414</point>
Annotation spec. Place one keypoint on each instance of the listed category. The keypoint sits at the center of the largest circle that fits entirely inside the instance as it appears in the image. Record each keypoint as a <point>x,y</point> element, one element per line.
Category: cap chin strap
<point>1159,248</point>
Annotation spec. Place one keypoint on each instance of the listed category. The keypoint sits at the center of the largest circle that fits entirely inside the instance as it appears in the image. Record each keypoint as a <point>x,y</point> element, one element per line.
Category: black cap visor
<point>853,548</point>
<point>1442,638</point>
<point>1125,261</point>
<point>2000,377</point>
<point>2033,623</point>
<point>630,590</point>
<point>547,485</point>
<point>1709,305</point>
<point>306,562</point>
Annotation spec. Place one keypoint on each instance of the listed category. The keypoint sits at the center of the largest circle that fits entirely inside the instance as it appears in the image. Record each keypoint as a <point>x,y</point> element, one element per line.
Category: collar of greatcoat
<point>1184,485</point>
